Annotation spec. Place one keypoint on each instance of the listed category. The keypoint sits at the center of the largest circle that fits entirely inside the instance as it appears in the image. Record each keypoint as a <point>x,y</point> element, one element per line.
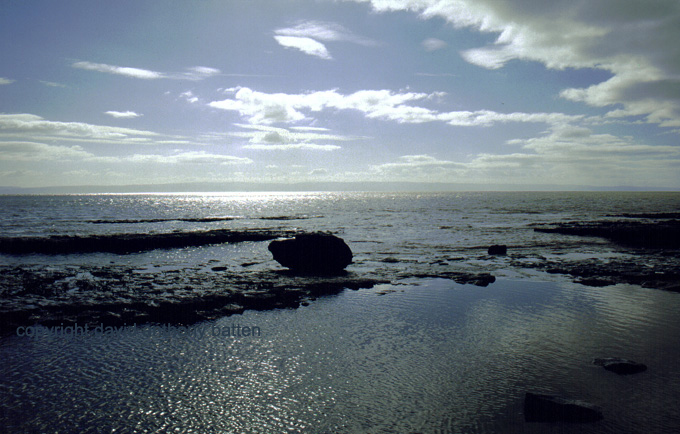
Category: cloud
<point>417,168</point>
<point>584,143</point>
<point>305,36</point>
<point>34,151</point>
<point>309,129</point>
<point>565,154</point>
<point>35,126</point>
<point>306,45</point>
<point>53,84</point>
<point>266,108</point>
<point>433,44</point>
<point>293,146</point>
<point>29,127</point>
<point>188,157</point>
<point>429,74</point>
<point>280,139</point>
<point>194,73</point>
<point>635,40</point>
<point>324,31</point>
<point>119,70</point>
<point>123,115</point>
<point>410,161</point>
<point>5,81</point>
<point>197,73</point>
<point>189,97</point>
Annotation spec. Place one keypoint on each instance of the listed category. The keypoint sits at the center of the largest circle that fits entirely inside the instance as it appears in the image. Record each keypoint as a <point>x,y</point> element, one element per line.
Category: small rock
<point>620,366</point>
<point>498,249</point>
<point>548,408</point>
<point>218,268</point>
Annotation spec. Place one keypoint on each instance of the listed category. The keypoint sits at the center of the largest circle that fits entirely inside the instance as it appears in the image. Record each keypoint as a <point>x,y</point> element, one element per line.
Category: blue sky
<point>501,92</point>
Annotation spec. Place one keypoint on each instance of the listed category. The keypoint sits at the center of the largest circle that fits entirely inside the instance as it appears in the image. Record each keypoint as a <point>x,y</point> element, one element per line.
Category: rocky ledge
<point>550,408</point>
<point>663,274</point>
<point>116,295</point>
<point>661,234</point>
<point>119,295</point>
<point>650,243</point>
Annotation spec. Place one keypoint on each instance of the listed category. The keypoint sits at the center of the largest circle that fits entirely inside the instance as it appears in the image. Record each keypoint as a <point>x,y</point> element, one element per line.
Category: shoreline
<point>117,294</point>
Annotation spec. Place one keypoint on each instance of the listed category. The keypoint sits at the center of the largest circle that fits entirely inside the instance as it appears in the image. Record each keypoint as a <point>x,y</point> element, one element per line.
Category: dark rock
<point>218,268</point>
<point>620,366</point>
<point>595,282</point>
<point>658,235</point>
<point>498,249</point>
<point>129,243</point>
<point>314,253</point>
<point>478,279</point>
<point>548,408</point>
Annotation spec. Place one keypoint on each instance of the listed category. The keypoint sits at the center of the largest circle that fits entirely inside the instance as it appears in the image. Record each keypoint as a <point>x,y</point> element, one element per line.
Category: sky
<point>514,93</point>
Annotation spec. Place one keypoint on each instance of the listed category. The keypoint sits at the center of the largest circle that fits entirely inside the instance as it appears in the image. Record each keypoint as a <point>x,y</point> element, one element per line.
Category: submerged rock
<point>315,253</point>
<point>498,249</point>
<point>620,366</point>
<point>549,408</point>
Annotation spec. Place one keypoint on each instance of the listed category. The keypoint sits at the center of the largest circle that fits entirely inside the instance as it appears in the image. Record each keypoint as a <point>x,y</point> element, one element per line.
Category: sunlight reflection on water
<point>433,357</point>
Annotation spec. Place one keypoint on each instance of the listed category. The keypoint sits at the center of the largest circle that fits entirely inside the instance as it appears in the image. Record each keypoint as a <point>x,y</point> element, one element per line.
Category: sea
<point>416,352</point>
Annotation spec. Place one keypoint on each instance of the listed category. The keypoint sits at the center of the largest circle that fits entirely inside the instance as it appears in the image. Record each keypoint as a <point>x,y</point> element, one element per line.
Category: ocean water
<point>409,225</point>
<point>416,355</point>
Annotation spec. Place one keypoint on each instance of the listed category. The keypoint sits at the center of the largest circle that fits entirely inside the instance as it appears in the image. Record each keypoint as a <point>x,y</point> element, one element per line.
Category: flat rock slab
<point>620,366</point>
<point>549,408</point>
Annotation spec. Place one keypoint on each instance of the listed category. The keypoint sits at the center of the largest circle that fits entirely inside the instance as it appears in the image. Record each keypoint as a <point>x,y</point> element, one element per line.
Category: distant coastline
<point>314,186</point>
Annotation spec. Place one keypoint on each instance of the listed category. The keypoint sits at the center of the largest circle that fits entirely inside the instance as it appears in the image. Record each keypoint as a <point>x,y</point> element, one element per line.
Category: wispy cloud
<point>324,31</point>
<point>188,157</point>
<point>5,81</point>
<point>29,127</point>
<point>429,74</point>
<point>305,36</point>
<point>123,115</point>
<point>120,70</point>
<point>35,151</point>
<point>306,45</point>
<point>194,73</point>
<point>414,161</point>
<point>433,44</point>
<point>28,123</point>
<point>292,146</point>
<point>53,84</point>
<point>565,153</point>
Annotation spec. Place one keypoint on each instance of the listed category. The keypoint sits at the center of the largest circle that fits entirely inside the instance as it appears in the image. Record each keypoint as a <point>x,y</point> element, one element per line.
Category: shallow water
<point>431,356</point>
<point>390,234</point>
